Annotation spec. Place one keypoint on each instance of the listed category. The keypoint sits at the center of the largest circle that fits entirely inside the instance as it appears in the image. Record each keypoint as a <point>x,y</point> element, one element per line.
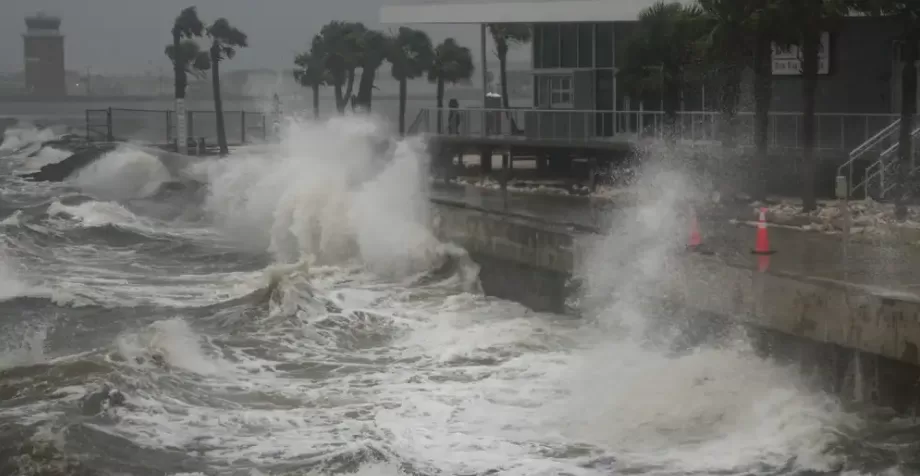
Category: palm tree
<point>504,35</point>
<point>660,55</point>
<point>186,25</point>
<point>343,41</point>
<point>766,28</point>
<point>191,59</point>
<point>726,46</point>
<point>374,49</point>
<point>410,55</point>
<point>811,18</point>
<point>452,64</point>
<point>908,14</point>
<point>224,41</point>
<point>312,70</point>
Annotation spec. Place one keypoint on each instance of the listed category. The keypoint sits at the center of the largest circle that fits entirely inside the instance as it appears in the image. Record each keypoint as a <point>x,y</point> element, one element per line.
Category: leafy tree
<point>452,64</point>
<point>504,35</point>
<point>374,49</point>
<point>311,70</point>
<point>907,13</point>
<point>662,52</point>
<point>343,53</point>
<point>810,18</point>
<point>225,39</point>
<point>410,55</point>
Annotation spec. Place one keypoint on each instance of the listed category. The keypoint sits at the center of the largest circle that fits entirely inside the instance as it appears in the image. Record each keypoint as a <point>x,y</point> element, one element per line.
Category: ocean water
<point>286,311</point>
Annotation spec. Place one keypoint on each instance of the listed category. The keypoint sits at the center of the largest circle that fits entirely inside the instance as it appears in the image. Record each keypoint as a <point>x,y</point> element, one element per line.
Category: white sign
<point>787,61</point>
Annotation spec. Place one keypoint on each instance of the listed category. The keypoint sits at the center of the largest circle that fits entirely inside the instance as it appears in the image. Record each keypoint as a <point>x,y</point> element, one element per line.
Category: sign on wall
<point>787,61</point>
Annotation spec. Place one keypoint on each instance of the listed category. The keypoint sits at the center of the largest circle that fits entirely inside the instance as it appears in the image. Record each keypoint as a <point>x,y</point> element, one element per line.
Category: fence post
<point>109,136</point>
<point>264,131</point>
<point>87,125</point>
<point>168,126</point>
<point>191,124</point>
<point>242,127</point>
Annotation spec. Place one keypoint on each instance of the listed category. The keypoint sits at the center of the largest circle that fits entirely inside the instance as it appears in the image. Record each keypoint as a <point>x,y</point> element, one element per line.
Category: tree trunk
<point>763,96</point>
<point>349,88</point>
<point>403,92</point>
<point>731,92</point>
<point>670,95</point>
<point>366,87</point>
<point>440,99</point>
<point>503,79</point>
<point>180,85</point>
<point>316,101</point>
<point>810,45</point>
<point>909,57</point>
<point>218,104</point>
<point>178,70</point>
<point>340,101</point>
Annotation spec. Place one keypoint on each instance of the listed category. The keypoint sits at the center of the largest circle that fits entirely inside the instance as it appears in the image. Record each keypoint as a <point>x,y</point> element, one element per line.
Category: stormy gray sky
<point>125,36</point>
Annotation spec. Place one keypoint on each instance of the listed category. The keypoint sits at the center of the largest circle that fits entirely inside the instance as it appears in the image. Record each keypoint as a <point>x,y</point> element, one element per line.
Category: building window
<point>557,91</point>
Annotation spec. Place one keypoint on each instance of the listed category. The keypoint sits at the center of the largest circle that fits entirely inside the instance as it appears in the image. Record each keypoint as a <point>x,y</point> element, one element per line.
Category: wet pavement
<point>888,267</point>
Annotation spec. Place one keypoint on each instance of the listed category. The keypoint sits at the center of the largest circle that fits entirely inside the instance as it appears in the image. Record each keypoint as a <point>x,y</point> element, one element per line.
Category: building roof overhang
<point>559,11</point>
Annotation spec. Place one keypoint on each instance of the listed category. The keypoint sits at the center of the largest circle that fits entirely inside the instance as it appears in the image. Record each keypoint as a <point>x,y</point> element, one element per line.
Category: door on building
<point>604,102</point>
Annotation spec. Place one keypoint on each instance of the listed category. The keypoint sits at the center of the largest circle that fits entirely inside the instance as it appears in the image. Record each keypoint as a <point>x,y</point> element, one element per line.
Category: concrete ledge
<point>826,311</point>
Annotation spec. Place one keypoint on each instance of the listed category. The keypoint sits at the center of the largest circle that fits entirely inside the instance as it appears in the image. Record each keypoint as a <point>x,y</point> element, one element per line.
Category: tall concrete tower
<point>44,56</point>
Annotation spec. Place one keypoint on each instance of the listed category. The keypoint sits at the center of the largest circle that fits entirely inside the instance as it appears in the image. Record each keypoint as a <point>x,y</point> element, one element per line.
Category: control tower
<point>44,56</point>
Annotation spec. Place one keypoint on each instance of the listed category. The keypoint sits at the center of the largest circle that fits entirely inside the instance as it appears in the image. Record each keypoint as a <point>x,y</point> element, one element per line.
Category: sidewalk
<point>892,266</point>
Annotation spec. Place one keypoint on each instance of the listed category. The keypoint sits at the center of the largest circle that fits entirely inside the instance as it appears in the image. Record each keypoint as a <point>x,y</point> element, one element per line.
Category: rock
<point>81,158</point>
<point>95,403</point>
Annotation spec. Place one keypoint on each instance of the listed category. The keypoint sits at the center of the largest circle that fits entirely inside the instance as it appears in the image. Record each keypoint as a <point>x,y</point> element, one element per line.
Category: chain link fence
<point>158,127</point>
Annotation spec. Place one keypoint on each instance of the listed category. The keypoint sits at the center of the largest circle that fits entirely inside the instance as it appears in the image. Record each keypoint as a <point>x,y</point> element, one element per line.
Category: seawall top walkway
<point>884,268</point>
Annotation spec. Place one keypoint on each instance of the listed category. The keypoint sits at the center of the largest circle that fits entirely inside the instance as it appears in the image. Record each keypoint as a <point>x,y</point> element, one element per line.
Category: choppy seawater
<point>286,311</point>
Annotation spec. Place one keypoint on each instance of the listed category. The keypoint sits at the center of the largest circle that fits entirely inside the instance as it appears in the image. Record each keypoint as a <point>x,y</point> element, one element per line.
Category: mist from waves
<point>343,337</point>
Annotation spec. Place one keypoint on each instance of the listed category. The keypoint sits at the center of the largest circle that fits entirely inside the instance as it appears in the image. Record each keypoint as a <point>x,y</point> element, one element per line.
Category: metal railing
<point>881,169</point>
<point>837,133</point>
<point>157,126</point>
<point>880,139</point>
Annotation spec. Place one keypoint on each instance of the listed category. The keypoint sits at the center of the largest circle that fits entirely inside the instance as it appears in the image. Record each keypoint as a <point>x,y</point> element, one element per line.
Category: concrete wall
<point>531,261</point>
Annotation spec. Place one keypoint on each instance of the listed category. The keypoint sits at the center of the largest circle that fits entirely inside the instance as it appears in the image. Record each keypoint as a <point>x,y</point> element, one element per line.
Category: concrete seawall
<point>864,341</point>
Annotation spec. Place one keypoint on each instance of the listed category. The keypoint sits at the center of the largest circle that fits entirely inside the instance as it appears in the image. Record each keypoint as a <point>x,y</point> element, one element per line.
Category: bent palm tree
<point>190,59</point>
<point>374,48</point>
<point>505,34</point>
<point>311,72</point>
<point>452,64</point>
<point>186,25</point>
<point>410,55</point>
<point>224,41</point>
<point>342,42</point>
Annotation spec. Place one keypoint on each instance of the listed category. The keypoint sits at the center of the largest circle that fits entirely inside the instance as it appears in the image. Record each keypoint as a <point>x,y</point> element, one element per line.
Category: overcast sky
<point>124,36</point>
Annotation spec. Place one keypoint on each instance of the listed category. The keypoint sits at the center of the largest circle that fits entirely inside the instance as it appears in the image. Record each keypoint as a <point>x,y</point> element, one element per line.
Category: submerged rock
<point>82,157</point>
<point>95,403</point>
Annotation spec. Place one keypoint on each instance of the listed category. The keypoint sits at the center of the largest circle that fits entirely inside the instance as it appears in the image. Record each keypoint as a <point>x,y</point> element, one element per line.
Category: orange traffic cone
<point>762,245</point>
<point>695,243</point>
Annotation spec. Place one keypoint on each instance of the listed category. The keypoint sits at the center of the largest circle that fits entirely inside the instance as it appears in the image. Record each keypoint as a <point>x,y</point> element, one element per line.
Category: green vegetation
<point>410,55</point>
<point>716,40</point>
<point>341,49</point>
<point>188,58</point>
